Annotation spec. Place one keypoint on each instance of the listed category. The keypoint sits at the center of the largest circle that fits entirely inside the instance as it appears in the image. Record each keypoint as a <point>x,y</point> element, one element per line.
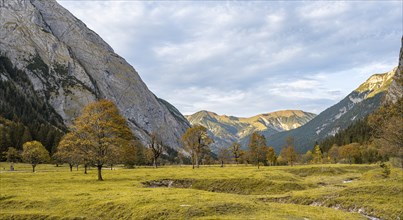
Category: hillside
<point>51,65</point>
<point>227,129</point>
<point>358,104</point>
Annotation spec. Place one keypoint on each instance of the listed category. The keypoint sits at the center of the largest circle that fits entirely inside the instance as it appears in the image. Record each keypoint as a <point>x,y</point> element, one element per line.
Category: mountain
<point>52,65</point>
<point>358,104</point>
<point>395,90</point>
<point>227,129</point>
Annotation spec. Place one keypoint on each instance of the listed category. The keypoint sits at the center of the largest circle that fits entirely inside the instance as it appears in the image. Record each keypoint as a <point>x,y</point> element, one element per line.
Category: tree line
<point>101,137</point>
<point>377,137</point>
<point>24,115</point>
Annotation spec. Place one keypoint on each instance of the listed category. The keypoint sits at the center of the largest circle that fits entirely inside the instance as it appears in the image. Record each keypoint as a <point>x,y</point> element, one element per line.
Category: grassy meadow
<point>232,192</point>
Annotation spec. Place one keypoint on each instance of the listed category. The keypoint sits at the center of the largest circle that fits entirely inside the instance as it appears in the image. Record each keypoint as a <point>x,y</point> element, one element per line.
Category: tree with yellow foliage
<point>34,153</point>
<point>68,151</point>
<point>350,152</point>
<point>317,154</point>
<point>271,156</point>
<point>196,139</point>
<point>257,148</point>
<point>334,153</point>
<point>99,134</point>
<point>288,151</point>
<point>387,125</point>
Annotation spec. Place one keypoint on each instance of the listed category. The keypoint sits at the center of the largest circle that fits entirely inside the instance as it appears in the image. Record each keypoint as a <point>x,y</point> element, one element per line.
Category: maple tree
<point>156,148</point>
<point>99,134</point>
<point>196,140</point>
<point>34,153</point>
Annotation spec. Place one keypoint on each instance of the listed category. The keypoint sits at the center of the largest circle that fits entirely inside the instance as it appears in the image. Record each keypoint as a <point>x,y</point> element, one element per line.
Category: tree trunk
<point>33,168</point>
<point>71,167</point>
<point>85,168</point>
<point>77,167</point>
<point>155,162</point>
<point>222,163</point>
<point>100,173</point>
<point>11,166</point>
<point>111,166</point>
<point>197,161</point>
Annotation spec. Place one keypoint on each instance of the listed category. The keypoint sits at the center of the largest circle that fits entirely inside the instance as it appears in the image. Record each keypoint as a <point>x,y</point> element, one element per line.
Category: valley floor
<point>232,192</point>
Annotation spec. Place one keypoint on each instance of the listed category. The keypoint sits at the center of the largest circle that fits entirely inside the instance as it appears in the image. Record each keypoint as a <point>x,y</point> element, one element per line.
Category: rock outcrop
<point>70,66</point>
<point>395,90</point>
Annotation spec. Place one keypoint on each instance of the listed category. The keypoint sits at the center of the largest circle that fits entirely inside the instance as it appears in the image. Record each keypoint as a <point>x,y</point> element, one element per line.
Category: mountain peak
<point>205,112</point>
<point>285,113</point>
<point>377,83</point>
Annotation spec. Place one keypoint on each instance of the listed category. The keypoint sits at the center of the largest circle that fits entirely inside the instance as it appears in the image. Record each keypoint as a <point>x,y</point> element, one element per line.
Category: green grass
<point>233,192</point>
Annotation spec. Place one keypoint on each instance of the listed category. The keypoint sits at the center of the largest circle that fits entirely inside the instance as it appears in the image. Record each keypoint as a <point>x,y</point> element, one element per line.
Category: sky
<point>245,58</point>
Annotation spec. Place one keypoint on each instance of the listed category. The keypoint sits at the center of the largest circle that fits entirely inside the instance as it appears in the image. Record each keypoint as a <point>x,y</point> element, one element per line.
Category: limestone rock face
<point>70,66</point>
<point>395,90</point>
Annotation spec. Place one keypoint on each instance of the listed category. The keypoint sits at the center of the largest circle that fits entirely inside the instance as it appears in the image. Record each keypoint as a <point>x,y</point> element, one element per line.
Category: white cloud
<point>303,84</point>
<point>322,10</point>
<point>245,58</point>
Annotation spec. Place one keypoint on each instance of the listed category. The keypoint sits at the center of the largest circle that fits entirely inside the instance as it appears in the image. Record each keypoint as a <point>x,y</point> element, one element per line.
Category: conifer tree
<point>317,154</point>
<point>12,156</point>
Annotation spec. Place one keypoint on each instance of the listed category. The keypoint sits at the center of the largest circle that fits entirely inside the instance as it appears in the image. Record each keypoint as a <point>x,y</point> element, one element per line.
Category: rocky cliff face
<point>395,90</point>
<point>227,129</point>
<point>368,97</point>
<point>69,66</point>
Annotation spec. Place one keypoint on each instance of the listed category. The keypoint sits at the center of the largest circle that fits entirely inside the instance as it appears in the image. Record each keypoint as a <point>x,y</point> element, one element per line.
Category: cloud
<point>323,10</point>
<point>245,58</point>
<point>303,84</point>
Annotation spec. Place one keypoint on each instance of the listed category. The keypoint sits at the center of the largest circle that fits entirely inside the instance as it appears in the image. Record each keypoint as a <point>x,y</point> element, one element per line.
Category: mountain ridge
<point>227,129</point>
<point>359,103</point>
